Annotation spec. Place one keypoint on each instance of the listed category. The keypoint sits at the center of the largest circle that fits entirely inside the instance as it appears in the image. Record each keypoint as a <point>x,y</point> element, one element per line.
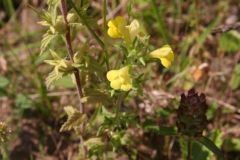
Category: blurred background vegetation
<point>206,61</point>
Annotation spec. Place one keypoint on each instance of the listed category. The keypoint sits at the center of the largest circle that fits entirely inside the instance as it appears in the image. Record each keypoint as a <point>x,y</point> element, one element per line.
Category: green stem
<point>8,4</point>
<point>104,16</point>
<point>119,104</point>
<point>85,22</point>
<point>106,55</point>
<point>189,147</point>
<point>4,152</point>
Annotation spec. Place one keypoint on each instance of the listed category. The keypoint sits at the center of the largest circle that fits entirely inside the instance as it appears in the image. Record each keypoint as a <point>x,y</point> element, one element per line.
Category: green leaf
<point>163,112</point>
<point>23,102</point>
<point>183,147</point>
<point>75,119</point>
<point>199,152</point>
<point>211,146</point>
<point>41,58</point>
<point>230,41</point>
<point>95,146</point>
<point>231,144</point>
<point>3,92</point>
<point>3,82</point>
<point>167,131</point>
<point>235,79</point>
<point>151,127</point>
<point>52,8</point>
<point>142,61</point>
<point>211,110</point>
<point>94,96</point>
<point>65,82</point>
<point>47,39</point>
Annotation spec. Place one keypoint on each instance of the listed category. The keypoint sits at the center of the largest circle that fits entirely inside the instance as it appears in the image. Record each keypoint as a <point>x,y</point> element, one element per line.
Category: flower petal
<point>120,21</point>
<point>113,32</point>
<point>116,84</point>
<point>162,52</point>
<point>165,62</point>
<point>126,87</point>
<point>170,56</point>
<point>116,27</point>
<point>112,75</point>
<point>120,79</point>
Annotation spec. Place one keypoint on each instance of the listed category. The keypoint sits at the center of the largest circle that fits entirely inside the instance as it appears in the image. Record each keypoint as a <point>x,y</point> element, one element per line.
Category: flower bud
<point>59,26</point>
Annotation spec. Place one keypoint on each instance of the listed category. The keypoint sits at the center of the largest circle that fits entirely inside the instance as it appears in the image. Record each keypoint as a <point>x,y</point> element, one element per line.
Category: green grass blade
<point>161,26</point>
<point>8,5</point>
<point>211,146</point>
<point>202,38</point>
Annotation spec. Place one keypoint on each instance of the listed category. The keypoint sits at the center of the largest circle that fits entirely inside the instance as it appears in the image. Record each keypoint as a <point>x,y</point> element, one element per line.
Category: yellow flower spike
<point>116,27</point>
<point>165,54</point>
<point>120,79</point>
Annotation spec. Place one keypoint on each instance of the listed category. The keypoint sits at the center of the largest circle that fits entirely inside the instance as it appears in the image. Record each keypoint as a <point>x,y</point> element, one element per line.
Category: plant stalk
<point>189,147</point>
<point>71,54</point>
<point>104,12</point>
<point>4,151</point>
<point>119,104</point>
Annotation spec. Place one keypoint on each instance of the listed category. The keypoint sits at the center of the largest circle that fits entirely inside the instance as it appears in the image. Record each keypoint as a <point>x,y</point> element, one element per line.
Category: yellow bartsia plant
<point>102,120</point>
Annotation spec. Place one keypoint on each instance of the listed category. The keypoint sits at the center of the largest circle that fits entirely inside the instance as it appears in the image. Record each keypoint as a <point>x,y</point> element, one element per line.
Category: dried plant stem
<point>71,54</point>
<point>226,28</point>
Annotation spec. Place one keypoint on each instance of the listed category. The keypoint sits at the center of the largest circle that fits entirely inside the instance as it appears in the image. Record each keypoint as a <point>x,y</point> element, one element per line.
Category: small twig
<point>226,28</point>
<point>71,54</point>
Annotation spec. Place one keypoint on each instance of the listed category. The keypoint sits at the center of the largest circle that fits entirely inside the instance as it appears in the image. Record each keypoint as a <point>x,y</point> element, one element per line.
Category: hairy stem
<point>71,54</point>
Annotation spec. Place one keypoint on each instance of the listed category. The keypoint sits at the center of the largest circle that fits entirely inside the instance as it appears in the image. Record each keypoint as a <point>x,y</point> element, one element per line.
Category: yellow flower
<point>117,27</point>
<point>165,54</point>
<point>135,29</point>
<point>120,79</point>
